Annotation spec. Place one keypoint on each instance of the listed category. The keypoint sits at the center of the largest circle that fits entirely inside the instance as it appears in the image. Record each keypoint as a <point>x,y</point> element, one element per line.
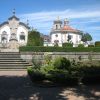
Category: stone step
<point>16,67</point>
<point>12,60</point>
<point>12,69</point>
<point>14,63</point>
<point>9,56</point>
<point>9,53</point>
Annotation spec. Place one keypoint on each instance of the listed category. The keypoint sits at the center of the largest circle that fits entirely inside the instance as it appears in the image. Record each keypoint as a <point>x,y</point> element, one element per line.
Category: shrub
<point>91,72</point>
<point>81,45</point>
<point>48,59</point>
<point>67,45</point>
<point>36,63</point>
<point>35,74</point>
<point>62,63</point>
<point>90,45</point>
<point>63,77</point>
<point>97,44</point>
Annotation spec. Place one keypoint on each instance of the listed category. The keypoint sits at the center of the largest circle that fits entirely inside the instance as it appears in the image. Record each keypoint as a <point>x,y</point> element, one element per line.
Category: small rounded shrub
<point>81,45</point>
<point>61,63</point>
<point>67,45</point>
<point>35,74</point>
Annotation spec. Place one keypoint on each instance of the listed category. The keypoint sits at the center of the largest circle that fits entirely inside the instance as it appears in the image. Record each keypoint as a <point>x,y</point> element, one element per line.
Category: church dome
<point>68,28</point>
<point>58,21</point>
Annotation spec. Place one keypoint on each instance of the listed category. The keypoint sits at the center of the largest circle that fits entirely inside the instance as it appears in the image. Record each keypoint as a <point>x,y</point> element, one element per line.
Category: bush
<point>67,45</point>
<point>63,77</point>
<point>90,45</point>
<point>35,74</point>
<point>58,49</point>
<point>62,71</point>
<point>91,72</point>
<point>81,45</point>
<point>36,63</point>
<point>61,63</point>
<point>97,44</point>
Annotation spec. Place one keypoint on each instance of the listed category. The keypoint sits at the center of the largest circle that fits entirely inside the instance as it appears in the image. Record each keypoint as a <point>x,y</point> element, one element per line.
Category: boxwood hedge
<point>58,49</point>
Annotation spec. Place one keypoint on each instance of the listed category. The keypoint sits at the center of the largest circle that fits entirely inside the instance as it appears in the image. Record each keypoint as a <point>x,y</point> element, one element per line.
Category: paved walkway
<point>16,85</point>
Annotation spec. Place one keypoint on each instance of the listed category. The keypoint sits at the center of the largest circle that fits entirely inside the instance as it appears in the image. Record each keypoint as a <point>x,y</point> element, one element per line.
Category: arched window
<point>22,36</point>
<point>56,26</point>
<point>4,37</point>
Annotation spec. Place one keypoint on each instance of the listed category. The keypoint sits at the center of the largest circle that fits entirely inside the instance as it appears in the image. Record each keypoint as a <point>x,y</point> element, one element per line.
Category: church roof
<point>4,23</point>
<point>23,24</point>
<point>68,28</point>
<point>13,17</point>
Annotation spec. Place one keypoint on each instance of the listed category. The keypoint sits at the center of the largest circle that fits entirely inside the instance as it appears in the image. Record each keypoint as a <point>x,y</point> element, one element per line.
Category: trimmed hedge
<point>90,45</point>
<point>58,49</point>
<point>97,44</point>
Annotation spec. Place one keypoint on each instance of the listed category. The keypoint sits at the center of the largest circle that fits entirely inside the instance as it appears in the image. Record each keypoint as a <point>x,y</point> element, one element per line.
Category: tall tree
<point>34,38</point>
<point>86,37</point>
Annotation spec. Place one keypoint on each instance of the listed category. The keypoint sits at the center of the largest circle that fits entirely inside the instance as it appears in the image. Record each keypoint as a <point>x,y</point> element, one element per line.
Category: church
<point>62,32</point>
<point>13,33</point>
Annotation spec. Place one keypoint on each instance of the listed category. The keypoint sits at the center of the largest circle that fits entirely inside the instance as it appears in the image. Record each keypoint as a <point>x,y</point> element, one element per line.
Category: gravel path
<point>16,85</point>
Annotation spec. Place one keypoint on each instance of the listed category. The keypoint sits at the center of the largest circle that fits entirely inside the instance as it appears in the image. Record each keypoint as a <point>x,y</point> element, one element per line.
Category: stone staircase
<point>12,61</point>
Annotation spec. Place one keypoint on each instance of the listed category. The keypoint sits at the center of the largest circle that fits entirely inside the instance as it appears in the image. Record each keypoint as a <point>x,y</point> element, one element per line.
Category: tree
<point>86,37</point>
<point>34,38</point>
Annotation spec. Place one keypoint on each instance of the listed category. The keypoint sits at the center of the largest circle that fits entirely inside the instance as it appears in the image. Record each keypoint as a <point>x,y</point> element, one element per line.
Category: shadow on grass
<point>21,88</point>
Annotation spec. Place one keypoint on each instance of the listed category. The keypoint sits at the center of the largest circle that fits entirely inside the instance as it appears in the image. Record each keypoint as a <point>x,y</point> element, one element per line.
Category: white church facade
<point>13,33</point>
<point>62,32</point>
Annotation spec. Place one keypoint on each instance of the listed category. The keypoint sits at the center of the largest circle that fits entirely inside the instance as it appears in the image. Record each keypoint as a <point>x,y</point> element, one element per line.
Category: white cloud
<point>43,21</point>
<point>48,16</point>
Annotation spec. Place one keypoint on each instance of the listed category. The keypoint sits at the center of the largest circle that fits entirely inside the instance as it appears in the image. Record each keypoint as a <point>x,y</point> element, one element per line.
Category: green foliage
<point>61,63</point>
<point>35,74</point>
<point>34,39</point>
<point>67,45</point>
<point>56,45</point>
<point>91,45</point>
<point>47,68</point>
<point>86,37</point>
<point>58,49</point>
<point>81,45</point>
<point>97,44</point>
<point>91,72</point>
<point>48,59</point>
<point>61,70</point>
<point>36,63</point>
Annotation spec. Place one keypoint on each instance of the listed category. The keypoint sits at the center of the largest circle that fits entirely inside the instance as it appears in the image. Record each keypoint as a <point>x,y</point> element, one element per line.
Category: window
<point>4,37</point>
<point>56,26</point>
<point>22,36</point>
<point>56,35</point>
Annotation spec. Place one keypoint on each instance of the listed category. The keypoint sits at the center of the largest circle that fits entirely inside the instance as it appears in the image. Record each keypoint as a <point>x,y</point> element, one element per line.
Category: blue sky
<point>82,14</point>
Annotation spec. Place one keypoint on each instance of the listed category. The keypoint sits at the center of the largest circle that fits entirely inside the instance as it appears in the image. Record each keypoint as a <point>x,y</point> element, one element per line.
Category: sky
<point>83,15</point>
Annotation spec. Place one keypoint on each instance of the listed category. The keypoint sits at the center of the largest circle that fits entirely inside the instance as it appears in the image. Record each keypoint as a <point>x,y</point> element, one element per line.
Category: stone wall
<point>70,55</point>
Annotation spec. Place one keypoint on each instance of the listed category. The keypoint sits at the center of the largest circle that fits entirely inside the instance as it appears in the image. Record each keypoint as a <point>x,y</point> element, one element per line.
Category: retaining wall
<point>70,55</point>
